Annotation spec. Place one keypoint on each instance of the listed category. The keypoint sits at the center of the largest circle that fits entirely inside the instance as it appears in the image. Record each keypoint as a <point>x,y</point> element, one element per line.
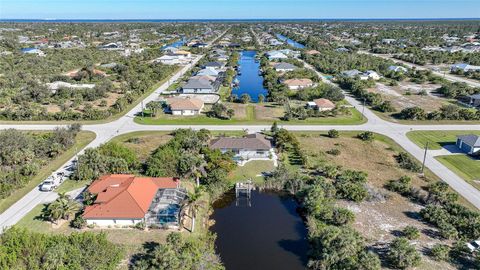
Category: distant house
<point>469,144</point>
<point>464,67</point>
<point>126,200</point>
<point>214,65</point>
<point>321,104</point>
<point>252,146</point>
<point>200,45</point>
<point>388,40</point>
<point>276,55</point>
<point>397,69</point>
<point>33,51</point>
<point>295,84</point>
<point>168,60</point>
<point>284,67</point>
<point>185,106</point>
<point>372,75</point>
<point>208,71</point>
<point>342,49</point>
<point>195,86</point>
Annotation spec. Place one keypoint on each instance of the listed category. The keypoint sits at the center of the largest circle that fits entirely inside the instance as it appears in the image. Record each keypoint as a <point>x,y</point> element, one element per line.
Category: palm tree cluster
<point>62,208</point>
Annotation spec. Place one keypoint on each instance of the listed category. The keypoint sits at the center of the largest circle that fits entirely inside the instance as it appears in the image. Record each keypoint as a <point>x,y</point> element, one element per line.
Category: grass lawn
<point>436,139</point>
<point>464,166</point>
<point>83,138</point>
<point>251,170</point>
<point>354,119</point>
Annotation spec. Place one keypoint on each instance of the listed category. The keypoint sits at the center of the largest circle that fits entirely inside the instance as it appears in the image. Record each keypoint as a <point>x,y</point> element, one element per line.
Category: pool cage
<point>166,208</point>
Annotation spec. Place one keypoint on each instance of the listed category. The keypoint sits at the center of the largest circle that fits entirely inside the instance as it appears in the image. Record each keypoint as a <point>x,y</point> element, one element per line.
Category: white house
<point>252,146</point>
<point>185,106</point>
<point>464,67</point>
<point>198,86</point>
<point>284,67</point>
<point>372,75</point>
<point>296,84</point>
<point>276,55</point>
<point>168,60</point>
<point>125,200</point>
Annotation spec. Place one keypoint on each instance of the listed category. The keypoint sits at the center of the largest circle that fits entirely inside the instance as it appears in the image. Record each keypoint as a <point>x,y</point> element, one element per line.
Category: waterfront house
<point>252,146</point>
<point>469,144</point>
<point>321,104</point>
<point>276,55</point>
<point>295,84</point>
<point>214,65</point>
<point>284,67</point>
<point>198,86</point>
<point>185,106</point>
<point>36,51</point>
<point>125,200</point>
<point>209,71</point>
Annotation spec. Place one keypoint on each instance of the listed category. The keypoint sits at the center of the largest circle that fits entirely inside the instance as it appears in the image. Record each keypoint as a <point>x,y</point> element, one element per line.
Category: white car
<point>48,185</point>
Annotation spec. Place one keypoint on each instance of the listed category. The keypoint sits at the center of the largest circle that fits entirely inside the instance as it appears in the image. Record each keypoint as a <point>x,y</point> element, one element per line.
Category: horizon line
<point>240,19</point>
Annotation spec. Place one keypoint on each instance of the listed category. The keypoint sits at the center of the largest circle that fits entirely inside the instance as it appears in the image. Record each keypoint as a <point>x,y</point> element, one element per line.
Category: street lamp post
<point>424,157</point>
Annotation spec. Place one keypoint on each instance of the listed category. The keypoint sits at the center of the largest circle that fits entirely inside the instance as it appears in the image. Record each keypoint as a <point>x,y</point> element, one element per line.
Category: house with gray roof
<point>469,144</point>
<point>252,146</point>
<point>198,86</point>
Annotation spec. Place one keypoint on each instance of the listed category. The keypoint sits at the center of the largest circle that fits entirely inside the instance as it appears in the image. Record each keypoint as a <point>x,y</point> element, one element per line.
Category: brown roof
<point>125,195</point>
<point>298,82</point>
<point>252,141</point>
<point>185,104</point>
<point>324,103</point>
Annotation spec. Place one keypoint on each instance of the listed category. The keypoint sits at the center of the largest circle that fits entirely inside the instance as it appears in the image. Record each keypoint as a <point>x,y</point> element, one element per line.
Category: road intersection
<point>105,132</point>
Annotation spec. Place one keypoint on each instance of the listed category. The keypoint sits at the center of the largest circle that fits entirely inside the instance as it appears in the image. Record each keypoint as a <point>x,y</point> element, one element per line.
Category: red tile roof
<point>125,195</point>
<point>324,103</point>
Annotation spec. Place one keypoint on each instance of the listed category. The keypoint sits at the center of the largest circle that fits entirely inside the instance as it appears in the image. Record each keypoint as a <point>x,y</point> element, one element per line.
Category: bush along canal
<point>249,77</point>
<point>263,232</point>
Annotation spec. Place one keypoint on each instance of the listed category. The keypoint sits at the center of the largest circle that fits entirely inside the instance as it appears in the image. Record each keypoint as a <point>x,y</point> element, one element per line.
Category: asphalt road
<point>125,124</point>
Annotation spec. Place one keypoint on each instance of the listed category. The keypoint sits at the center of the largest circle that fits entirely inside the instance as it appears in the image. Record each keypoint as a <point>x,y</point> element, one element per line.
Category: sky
<point>237,9</point>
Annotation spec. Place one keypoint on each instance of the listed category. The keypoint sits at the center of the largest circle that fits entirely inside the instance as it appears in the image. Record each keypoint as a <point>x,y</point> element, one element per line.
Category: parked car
<point>48,185</point>
<point>474,245</point>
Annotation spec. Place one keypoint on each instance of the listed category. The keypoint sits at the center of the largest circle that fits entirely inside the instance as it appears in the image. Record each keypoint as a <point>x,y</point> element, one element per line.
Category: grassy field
<point>251,119</point>
<point>464,166</point>
<point>83,138</point>
<point>251,170</point>
<point>436,139</point>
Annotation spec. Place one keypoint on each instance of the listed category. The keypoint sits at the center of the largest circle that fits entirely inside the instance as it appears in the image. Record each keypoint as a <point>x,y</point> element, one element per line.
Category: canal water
<point>176,44</point>
<point>290,42</point>
<point>268,234</point>
<point>250,80</point>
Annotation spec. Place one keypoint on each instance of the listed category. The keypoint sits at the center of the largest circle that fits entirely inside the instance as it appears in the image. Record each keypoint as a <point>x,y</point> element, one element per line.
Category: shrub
<point>79,222</point>
<point>403,255</point>
<point>407,162</point>
<point>402,185</point>
<point>411,232</point>
<point>440,252</point>
<point>366,136</point>
<point>333,133</point>
<point>334,152</point>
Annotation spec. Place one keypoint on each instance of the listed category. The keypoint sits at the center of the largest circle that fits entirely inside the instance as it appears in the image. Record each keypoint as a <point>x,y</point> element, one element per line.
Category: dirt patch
<point>239,108</point>
<point>268,111</point>
<point>407,94</point>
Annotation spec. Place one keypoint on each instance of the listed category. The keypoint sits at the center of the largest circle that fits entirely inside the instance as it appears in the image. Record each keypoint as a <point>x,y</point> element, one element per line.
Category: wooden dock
<point>244,189</point>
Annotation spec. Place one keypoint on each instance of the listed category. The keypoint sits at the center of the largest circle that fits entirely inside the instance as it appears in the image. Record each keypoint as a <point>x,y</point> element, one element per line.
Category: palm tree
<point>194,204</point>
<point>62,208</point>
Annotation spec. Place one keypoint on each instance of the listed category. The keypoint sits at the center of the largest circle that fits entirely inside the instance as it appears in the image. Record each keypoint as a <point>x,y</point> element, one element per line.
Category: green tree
<point>333,133</point>
<point>403,255</point>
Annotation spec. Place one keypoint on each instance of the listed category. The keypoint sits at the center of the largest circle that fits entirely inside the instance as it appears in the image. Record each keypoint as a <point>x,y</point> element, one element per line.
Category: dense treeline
<point>20,249</point>
<point>22,154</point>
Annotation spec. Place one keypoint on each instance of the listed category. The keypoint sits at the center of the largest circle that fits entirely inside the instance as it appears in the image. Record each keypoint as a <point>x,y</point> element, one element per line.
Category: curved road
<point>125,124</point>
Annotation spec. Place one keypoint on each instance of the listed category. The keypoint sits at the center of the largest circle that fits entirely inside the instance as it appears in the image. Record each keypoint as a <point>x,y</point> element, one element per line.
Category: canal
<point>291,42</point>
<point>268,234</point>
<point>249,77</point>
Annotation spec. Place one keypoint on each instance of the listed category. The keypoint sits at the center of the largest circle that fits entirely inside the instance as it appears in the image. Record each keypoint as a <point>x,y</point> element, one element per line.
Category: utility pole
<point>363,109</point>
<point>424,157</point>
<point>142,109</point>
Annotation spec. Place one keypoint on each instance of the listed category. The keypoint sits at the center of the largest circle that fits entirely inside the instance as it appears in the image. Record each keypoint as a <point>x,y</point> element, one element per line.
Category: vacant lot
<point>381,219</point>
<point>437,139</point>
<point>407,94</point>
